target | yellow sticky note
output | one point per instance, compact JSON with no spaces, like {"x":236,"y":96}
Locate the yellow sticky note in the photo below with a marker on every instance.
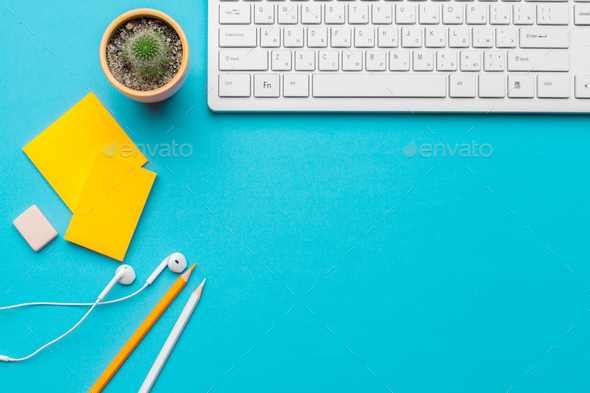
{"x":110,"y":205}
{"x":65,"y":151}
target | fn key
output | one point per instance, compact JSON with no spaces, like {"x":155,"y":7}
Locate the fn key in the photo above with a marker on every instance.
{"x":266,"y":85}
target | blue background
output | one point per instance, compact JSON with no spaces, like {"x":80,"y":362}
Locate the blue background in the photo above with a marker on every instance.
{"x":333,"y":261}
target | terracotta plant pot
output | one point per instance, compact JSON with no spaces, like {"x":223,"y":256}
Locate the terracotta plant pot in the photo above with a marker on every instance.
{"x":161,"y":93}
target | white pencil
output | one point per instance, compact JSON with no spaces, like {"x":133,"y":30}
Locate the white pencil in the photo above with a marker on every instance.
{"x":172,"y":338}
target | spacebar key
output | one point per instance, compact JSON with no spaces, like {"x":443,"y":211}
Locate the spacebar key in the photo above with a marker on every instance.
{"x":343,"y":85}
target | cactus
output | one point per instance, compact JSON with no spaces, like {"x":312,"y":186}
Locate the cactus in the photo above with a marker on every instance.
{"x":147,"y":53}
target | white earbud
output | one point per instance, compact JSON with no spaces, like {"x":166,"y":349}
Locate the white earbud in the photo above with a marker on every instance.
{"x":175,"y":262}
{"x":124,"y":274}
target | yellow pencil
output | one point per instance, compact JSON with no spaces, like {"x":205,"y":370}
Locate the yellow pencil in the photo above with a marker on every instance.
{"x":141,"y":332}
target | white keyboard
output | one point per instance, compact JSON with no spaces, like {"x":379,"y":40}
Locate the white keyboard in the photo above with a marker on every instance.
{"x":402,"y":56}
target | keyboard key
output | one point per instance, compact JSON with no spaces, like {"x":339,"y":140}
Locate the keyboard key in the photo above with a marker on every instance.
{"x":399,"y":60}
{"x":293,"y":37}
{"x":553,"y":86}
{"x":341,"y":37}
{"x":266,"y":85}
{"x":429,"y":14}
{"x":446,"y":60}
{"x":582,"y":14}
{"x":483,"y":37}
{"x":305,"y":60}
{"x":288,"y":14}
{"x":243,"y":60}
{"x":352,"y":60}
{"x":234,"y":13}
{"x":405,"y":14}
{"x":477,"y":14}
{"x":237,"y":37}
{"x":317,"y":37}
{"x":264,"y":14}
{"x":524,"y":14}
{"x":492,"y":86}
{"x":382,"y":14}
{"x":521,"y":86}
{"x":500,"y":14}
{"x":459,"y":37}
{"x":411,"y":37}
{"x":296,"y":85}
{"x":364,"y":37}
{"x":375,"y":60}
{"x":270,"y":37}
{"x":553,"y":14}
{"x":234,"y":85}
{"x":281,"y":60}
{"x":311,"y":14}
{"x":379,"y":85}
{"x":470,"y":60}
{"x":435,"y":37}
{"x":494,"y":61}
{"x":334,"y":14}
{"x":505,"y":37}
{"x":544,"y":38}
{"x":462,"y":86}
{"x":387,"y":37}
{"x":328,"y":60}
{"x":554,"y":60}
{"x":358,"y":14}
{"x":423,"y":60}
{"x":452,"y":14}
{"x":582,"y":86}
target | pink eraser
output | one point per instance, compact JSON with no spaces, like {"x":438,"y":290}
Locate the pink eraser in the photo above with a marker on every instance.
{"x":35,"y":228}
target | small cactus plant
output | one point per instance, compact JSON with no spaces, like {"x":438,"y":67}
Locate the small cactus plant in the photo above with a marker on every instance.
{"x":147,"y":53}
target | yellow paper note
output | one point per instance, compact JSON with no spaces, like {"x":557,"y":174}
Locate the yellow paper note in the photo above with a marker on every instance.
{"x":110,"y":205}
{"x":65,"y":151}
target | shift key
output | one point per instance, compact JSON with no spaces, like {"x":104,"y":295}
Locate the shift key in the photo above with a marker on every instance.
{"x":538,"y":60}
{"x":243,"y":60}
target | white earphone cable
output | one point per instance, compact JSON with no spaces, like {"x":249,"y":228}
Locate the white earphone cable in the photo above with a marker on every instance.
{"x":74,"y":304}
{"x":7,"y":359}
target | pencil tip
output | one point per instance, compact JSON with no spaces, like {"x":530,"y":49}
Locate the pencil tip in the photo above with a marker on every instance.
{"x":187,"y":274}
{"x":199,"y":289}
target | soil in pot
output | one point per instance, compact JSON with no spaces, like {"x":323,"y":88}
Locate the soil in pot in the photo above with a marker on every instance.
{"x":124,"y":72}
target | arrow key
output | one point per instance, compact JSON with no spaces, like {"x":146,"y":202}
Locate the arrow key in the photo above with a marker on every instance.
{"x":582,"y":86}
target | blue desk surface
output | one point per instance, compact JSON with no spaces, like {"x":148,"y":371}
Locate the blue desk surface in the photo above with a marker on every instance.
{"x":333,"y":261}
